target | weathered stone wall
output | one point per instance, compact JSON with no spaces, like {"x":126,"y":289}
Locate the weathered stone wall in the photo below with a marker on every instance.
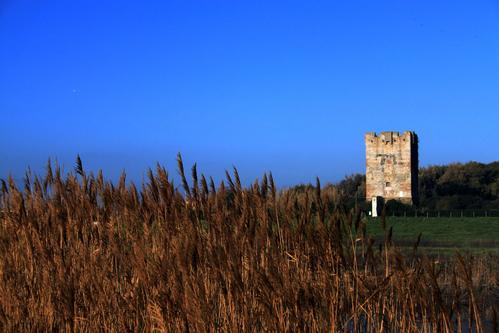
{"x":392,"y":166}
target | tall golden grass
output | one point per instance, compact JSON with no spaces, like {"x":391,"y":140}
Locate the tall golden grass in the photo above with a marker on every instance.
{"x":80,"y":254}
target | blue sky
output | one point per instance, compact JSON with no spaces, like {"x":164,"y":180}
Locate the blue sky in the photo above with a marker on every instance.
{"x":286,"y":86}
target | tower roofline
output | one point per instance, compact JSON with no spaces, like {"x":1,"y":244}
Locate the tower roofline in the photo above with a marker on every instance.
{"x":397,"y":133}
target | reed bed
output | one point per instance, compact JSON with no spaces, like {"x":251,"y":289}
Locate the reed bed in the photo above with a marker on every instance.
{"x":81,"y":254}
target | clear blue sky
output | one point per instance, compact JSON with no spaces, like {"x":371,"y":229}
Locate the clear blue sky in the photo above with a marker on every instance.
{"x":287,"y":86}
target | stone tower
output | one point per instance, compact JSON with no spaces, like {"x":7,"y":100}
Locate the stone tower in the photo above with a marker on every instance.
{"x":392,"y":166}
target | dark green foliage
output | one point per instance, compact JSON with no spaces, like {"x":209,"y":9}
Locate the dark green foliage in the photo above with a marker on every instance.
{"x":460,"y":186}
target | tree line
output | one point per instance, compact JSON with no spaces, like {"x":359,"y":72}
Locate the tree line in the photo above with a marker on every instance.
{"x":456,"y":186}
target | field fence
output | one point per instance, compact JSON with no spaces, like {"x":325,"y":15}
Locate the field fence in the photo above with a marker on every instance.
{"x":444,"y":213}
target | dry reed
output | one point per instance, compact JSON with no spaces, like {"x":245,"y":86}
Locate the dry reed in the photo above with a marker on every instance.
{"x":80,"y":254}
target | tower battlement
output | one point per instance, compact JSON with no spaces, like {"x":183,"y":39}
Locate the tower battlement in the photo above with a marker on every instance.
{"x":392,"y":166}
{"x":391,"y":137}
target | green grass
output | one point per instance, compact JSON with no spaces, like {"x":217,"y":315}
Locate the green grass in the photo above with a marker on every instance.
{"x":479,"y":234}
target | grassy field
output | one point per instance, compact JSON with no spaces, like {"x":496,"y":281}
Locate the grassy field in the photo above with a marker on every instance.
{"x":479,"y":234}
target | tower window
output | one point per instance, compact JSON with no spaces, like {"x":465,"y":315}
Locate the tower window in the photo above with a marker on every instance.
{"x":388,"y":184}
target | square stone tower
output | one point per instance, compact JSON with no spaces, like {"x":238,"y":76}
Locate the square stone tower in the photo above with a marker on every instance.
{"x":392,"y":166}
